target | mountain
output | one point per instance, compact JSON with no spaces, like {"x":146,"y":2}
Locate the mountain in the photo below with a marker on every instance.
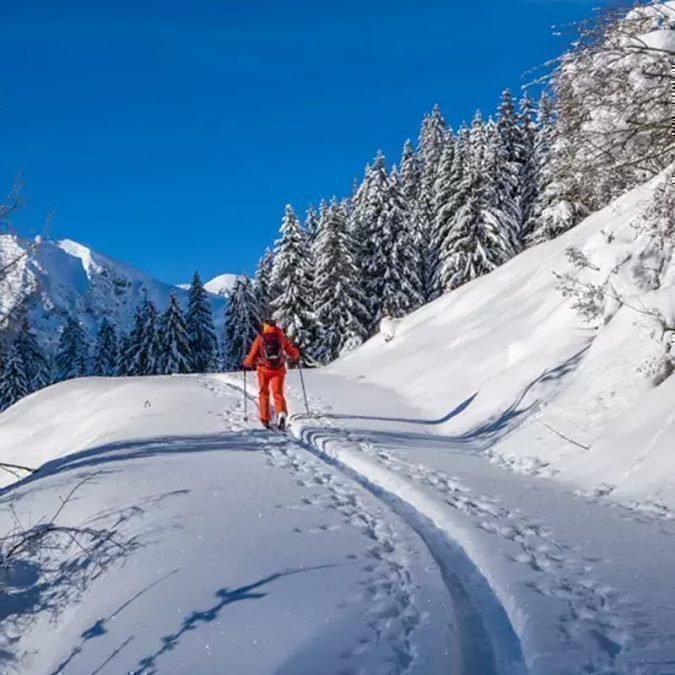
{"x":221,"y":285}
{"x":64,"y":278}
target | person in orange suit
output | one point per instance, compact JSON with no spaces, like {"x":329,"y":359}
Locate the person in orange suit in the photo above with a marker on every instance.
{"x":268,"y":354}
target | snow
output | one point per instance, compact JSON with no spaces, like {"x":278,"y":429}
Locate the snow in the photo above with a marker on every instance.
{"x":235,"y":550}
{"x":485,"y":487}
{"x":221,"y":285}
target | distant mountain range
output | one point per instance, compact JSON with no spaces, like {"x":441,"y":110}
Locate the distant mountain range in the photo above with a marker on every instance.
{"x":64,"y":278}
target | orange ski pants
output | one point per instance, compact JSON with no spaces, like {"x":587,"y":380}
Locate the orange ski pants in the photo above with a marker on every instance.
{"x":271,"y":379}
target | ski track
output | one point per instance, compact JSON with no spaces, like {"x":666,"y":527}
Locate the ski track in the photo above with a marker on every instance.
{"x":595,"y":615}
{"x":388,"y":587}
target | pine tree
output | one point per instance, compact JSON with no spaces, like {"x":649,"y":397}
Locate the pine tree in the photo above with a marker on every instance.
{"x":402,"y":288}
{"x":365,"y":226}
{"x":500,"y":201}
{"x":340,"y":305}
{"x":555,"y":208}
{"x":201,"y":330}
{"x":411,"y":185}
{"x":528,"y":177}
{"x":242,"y":322}
{"x":434,"y":135}
{"x":106,"y":350}
{"x":14,"y":382}
{"x":506,"y":163}
{"x":477,"y":241}
{"x":291,"y":279}
{"x":143,"y":348}
{"x":263,"y":282}
{"x":445,"y":192}
{"x":311,"y":223}
{"x":124,"y":353}
{"x":176,"y":351}
{"x":35,"y":364}
{"x":72,"y":354}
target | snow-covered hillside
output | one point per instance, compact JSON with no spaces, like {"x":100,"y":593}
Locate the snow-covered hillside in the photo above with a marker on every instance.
{"x":530,"y":369}
{"x":66,"y":278}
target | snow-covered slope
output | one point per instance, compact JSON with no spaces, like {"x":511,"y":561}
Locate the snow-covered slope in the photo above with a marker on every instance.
{"x":544,"y":390}
{"x":66,"y":278}
{"x":168,"y":537}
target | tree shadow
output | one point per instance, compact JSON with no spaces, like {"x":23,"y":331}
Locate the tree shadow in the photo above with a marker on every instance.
{"x":49,"y":567}
{"x":235,"y":441}
{"x":479,"y":438}
{"x":99,"y":628}
{"x":224,"y":597}
{"x":458,"y":410}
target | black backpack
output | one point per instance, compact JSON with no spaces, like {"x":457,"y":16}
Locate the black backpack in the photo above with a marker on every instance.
{"x":272,"y":349}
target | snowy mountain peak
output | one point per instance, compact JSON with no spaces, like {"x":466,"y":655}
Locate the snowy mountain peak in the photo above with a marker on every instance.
{"x":221,"y":285}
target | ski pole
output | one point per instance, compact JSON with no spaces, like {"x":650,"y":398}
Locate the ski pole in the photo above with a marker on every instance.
{"x":304,"y":390}
{"x":243,"y":372}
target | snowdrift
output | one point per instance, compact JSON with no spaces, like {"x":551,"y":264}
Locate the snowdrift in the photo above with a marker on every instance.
{"x":543,"y":389}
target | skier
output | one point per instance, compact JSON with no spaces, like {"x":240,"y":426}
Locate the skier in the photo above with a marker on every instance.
{"x":268,"y":353}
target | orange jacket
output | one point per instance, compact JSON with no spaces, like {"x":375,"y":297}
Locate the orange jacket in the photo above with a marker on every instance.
{"x":256,"y":357}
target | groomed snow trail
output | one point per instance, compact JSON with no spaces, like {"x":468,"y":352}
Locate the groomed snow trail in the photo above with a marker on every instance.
{"x":554,"y":562}
{"x":486,"y":640}
{"x":389,"y":587}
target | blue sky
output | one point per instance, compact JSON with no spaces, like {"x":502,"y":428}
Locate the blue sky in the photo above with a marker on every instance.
{"x":170,"y":134}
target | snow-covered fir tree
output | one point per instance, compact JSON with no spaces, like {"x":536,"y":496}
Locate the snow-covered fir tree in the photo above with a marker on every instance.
{"x":291,"y":278}
{"x":14,"y":383}
{"x":434,"y":136}
{"x":411,"y":184}
{"x":340,"y":305}
{"x":311,"y":223}
{"x":201,"y":329}
{"x":36,"y":365}
{"x":444,"y":193}
{"x":557,"y":205}
{"x":505,"y":162}
{"x":262,"y":281}
{"x":402,"y":289}
{"x":527,"y":119}
{"x":477,"y":242}
{"x":365,"y":226}
{"x":105,"y":350}
{"x":72,"y":353}
{"x":242,"y":323}
{"x":500,"y":201}
{"x":176,"y":350}
{"x":143,"y":346}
